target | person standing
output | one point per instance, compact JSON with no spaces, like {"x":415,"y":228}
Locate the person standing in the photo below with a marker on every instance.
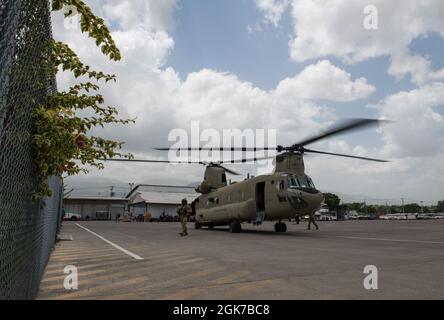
{"x":184,"y":212}
{"x":297,"y":219}
{"x":311,"y":220}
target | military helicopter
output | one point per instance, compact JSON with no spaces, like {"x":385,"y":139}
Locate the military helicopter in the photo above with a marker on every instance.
{"x":283,"y":194}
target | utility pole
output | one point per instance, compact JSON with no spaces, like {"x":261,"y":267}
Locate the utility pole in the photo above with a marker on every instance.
{"x":402,"y":199}
{"x":111,"y":191}
{"x":422,"y":206}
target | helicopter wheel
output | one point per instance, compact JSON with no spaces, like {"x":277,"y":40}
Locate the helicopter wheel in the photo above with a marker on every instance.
{"x":235,"y":227}
{"x":280,"y":227}
{"x":197,"y":225}
{"x":283,"y":227}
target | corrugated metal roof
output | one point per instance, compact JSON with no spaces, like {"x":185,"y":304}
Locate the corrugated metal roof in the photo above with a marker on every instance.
{"x":161,"y":188}
{"x":163,"y":197}
{"x":95,"y":198}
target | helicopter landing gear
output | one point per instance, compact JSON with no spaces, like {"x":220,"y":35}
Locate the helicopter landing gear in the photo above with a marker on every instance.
{"x":210,"y":226}
{"x":197,"y":225}
{"x":280,"y":227}
{"x":235,"y":227}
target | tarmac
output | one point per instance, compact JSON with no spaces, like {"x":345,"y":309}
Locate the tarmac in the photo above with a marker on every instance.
{"x":118,"y":260}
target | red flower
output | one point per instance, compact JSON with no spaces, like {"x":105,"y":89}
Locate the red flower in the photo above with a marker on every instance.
{"x":80,"y":142}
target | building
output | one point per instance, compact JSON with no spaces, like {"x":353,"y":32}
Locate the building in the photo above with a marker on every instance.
{"x":156,"y":200}
{"x":96,"y":208}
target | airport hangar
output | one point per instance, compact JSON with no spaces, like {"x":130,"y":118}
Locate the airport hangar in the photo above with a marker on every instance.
{"x":143,"y":199}
{"x":156,"y":200}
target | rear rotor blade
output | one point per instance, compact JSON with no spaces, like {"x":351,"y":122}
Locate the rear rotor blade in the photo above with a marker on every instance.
{"x":344,"y":155}
{"x":152,"y":161}
{"x":189,"y":162}
{"x":347,"y":126}
{"x":246,"y":160}
{"x":229,"y":170}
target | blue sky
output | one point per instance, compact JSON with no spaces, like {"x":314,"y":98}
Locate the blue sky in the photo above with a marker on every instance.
{"x":214,"y":34}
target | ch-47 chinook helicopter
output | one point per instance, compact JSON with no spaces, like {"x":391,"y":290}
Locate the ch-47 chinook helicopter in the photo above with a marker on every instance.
{"x":283,"y":194}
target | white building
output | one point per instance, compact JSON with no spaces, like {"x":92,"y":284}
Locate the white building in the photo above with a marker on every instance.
{"x":157,"y":199}
{"x":93,"y":207}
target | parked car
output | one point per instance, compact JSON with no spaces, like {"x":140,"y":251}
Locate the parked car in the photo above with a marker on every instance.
{"x":69,"y":216}
{"x":327,"y":217}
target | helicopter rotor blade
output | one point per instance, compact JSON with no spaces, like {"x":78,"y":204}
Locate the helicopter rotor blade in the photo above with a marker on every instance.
{"x":343,"y":127}
{"x":228,"y":170}
{"x":219,"y":163}
{"x":346,"y":126}
{"x":207,"y":163}
{"x":152,"y":161}
{"x":343,"y":155}
{"x":246,"y":160}
{"x":218,"y":149}
{"x":175,"y":162}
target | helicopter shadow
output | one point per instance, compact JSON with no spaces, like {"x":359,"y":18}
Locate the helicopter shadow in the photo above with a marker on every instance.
{"x":300,"y":234}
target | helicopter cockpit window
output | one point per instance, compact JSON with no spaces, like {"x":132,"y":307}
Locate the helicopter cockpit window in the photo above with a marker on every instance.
{"x":281,"y":185}
{"x":300,"y":182}
{"x":310,"y":182}
{"x":293,"y":182}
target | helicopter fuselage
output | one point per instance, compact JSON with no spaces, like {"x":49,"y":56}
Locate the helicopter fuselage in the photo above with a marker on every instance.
{"x":274,"y":197}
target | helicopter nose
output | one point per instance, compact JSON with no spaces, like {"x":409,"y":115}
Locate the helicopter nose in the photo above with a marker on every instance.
{"x":314,"y":200}
{"x":308,"y":201}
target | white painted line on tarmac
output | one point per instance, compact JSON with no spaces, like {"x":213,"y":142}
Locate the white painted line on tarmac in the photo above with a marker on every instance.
{"x":393,"y":240}
{"x":135,"y":256}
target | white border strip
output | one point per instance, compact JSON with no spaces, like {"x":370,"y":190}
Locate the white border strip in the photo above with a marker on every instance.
{"x":135,"y":256}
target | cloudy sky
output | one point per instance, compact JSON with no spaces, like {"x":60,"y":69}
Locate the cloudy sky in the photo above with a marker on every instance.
{"x":296,"y":66}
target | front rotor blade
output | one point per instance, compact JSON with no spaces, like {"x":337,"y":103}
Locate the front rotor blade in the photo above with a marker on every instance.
{"x":347,"y":126}
{"x":218,"y":149}
{"x":344,"y":155}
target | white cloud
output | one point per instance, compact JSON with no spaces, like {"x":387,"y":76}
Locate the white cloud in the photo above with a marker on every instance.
{"x":129,"y":14}
{"x":414,"y":143}
{"x":272,"y":9}
{"x":323,"y":28}
{"x":419,"y":127}
{"x":325,"y":81}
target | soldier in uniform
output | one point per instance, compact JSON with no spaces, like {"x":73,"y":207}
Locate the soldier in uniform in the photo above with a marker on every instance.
{"x":312,"y":220}
{"x":184,"y":212}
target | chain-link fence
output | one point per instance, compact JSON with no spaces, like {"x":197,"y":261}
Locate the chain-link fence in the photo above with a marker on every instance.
{"x":27,"y":228}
